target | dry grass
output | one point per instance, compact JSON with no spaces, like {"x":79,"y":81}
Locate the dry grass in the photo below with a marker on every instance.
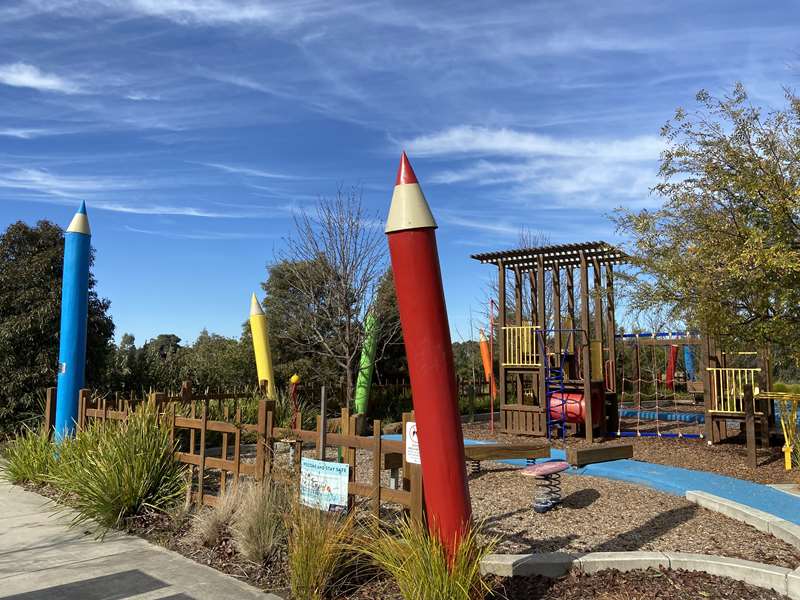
{"x":258,"y":526}
{"x":210,"y":526}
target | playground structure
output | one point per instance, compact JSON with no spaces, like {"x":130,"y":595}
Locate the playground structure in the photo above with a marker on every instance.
{"x":560,"y":359}
{"x":562,"y":348}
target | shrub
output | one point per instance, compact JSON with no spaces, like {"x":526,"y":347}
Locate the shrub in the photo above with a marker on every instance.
{"x":118,"y":470}
{"x":259,"y":530}
{"x":211,"y":525}
{"x":417,"y":562}
{"x":29,"y":457}
{"x":284,"y":411}
{"x":319,"y":545}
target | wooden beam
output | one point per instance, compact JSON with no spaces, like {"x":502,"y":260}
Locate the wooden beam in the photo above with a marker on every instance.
{"x":750,"y":426}
{"x":501,"y":334}
{"x":585,"y":356}
{"x":518,"y":320}
{"x":705,"y":361}
{"x":611,"y":327}
{"x":541,"y":341}
{"x":556,"y":311}
{"x":506,"y":451}
{"x":579,"y":457}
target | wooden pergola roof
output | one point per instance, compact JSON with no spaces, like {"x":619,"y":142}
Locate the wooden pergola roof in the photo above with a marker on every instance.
{"x":563,"y":255}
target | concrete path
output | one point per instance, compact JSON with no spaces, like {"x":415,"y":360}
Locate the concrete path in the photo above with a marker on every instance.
{"x":42,"y":558}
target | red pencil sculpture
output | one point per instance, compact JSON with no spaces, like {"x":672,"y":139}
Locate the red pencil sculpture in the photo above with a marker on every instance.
{"x":426,"y":332}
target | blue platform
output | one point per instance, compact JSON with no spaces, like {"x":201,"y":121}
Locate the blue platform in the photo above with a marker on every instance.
{"x":678,"y":481}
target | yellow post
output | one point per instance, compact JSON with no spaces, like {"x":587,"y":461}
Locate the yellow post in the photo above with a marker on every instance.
{"x":260,"y":330}
{"x":787,"y":458}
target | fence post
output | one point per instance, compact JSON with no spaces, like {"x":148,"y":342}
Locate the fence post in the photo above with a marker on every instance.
{"x":82,"y":409}
{"x":268,"y":438}
{"x":376,"y":467}
{"x":201,"y":470}
{"x":50,"y":410}
{"x":323,"y":424}
{"x":750,"y":425}
{"x":261,"y":440}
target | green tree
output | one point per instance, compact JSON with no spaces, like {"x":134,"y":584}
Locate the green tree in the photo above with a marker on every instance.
{"x":31,"y":263}
{"x":722,"y":250}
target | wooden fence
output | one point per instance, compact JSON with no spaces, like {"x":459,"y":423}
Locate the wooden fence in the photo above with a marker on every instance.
{"x":224,"y":437}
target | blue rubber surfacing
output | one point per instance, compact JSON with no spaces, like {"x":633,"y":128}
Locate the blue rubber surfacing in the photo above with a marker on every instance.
{"x":677,"y":481}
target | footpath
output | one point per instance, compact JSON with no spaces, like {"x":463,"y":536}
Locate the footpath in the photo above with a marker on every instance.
{"x":42,"y":558}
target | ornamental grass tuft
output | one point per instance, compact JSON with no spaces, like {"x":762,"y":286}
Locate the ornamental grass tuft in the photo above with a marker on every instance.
{"x":113,"y":471}
{"x":417,"y":562}
{"x":319,"y":547}
{"x":259,"y":528}
{"x":29,"y":458}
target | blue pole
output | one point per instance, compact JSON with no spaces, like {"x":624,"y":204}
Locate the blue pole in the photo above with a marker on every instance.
{"x":74,"y":318}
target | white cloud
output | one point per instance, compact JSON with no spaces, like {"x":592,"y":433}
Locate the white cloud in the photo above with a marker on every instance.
{"x":30,"y":76}
{"x":467,"y":139}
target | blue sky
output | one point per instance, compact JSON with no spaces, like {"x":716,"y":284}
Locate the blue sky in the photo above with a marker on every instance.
{"x":196,"y":129}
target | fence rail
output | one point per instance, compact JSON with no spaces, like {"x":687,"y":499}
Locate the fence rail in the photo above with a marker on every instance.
{"x":727,"y":388}
{"x":222,"y":439}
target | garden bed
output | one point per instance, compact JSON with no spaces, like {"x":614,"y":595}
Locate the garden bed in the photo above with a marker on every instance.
{"x":633,"y":585}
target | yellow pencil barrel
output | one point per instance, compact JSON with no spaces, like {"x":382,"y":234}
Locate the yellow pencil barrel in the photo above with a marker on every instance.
{"x":260,"y":332}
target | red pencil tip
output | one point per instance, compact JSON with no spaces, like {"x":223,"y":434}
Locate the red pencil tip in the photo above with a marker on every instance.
{"x":405,"y":174}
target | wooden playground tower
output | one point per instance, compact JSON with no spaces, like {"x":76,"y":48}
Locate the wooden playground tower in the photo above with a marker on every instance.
{"x":560,"y":359}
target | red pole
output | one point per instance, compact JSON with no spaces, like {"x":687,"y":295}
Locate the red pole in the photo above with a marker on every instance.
{"x":426,"y":332}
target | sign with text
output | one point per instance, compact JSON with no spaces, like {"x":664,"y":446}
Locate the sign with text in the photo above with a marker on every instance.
{"x":412,"y":443}
{"x":323,"y":484}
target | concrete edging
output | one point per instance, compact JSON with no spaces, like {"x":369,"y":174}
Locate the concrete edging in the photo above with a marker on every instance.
{"x":763,"y":521}
{"x":555,"y":564}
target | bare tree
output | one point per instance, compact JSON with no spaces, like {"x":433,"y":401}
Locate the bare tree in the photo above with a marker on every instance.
{"x":335,"y":261}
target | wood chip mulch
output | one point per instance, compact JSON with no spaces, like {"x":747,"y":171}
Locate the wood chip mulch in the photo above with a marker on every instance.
{"x":728,"y":458}
{"x":634,"y":585}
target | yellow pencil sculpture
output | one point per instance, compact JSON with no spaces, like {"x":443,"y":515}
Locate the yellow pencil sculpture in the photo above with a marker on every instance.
{"x":260,"y":331}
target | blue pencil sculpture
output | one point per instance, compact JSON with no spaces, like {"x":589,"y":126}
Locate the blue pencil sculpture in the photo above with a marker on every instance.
{"x":74,"y":318}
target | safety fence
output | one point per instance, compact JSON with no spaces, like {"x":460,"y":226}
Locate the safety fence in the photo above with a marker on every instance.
{"x":727,"y":388}
{"x":521,"y":346}
{"x":223,"y":438}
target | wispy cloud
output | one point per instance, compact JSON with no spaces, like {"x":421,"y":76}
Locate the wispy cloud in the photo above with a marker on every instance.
{"x":199,"y":235}
{"x":31,"y":133}
{"x":30,"y":76}
{"x":467,"y":139}
{"x":251,"y":172}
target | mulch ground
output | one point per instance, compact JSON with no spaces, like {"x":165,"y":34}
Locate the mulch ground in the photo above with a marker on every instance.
{"x":599,"y":515}
{"x":728,"y":458}
{"x":635,"y":585}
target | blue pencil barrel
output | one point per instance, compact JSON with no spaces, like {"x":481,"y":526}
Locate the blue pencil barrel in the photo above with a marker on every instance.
{"x":74,"y":319}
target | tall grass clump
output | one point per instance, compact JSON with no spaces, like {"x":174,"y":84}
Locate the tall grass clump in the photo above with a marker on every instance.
{"x":259,"y":527}
{"x":118,"y":470}
{"x":417,"y":562}
{"x":211,"y":525}
{"x":29,"y":457}
{"x":319,"y":545}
